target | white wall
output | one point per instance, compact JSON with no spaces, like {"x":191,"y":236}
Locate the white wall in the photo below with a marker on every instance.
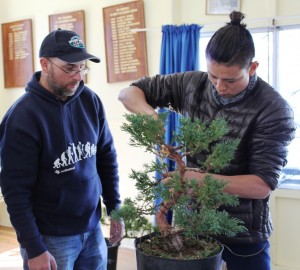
{"x":285,"y":240}
{"x":157,"y":13}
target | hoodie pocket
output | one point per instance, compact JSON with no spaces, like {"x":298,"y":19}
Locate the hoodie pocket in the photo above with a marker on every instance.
{"x":79,"y":198}
{"x":73,"y":198}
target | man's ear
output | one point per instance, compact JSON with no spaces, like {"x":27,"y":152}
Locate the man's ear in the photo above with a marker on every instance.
{"x":44,"y":64}
{"x":254,"y":65}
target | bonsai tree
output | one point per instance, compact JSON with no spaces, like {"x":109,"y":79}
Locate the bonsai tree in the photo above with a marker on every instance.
{"x":196,"y":207}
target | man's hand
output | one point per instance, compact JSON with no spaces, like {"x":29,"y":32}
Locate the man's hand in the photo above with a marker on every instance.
{"x":191,"y":174}
{"x":188,"y":175}
{"x":116,"y":231}
{"x":45,"y":261}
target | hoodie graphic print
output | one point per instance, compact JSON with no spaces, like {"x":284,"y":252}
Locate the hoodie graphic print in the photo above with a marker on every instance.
{"x":73,"y":154}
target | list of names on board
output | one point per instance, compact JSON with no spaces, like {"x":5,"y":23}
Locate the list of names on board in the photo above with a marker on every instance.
{"x":17,"y":53}
{"x":125,"y":49}
{"x":73,"y":21}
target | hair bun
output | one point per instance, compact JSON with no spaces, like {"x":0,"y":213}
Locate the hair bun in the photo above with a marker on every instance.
{"x":236,"y":18}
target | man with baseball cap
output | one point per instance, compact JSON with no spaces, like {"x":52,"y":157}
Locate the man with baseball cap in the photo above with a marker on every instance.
{"x":58,"y":159}
{"x":67,"y":46}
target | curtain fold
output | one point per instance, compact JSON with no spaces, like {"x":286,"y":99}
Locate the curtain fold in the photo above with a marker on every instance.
{"x":179,"y":53}
{"x":179,"y":48}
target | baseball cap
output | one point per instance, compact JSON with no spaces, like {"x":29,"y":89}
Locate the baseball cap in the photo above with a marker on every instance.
{"x":65,"y":45}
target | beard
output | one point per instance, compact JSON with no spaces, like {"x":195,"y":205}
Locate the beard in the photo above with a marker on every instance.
{"x":59,"y":89}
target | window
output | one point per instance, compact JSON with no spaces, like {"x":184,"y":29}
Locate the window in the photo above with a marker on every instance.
{"x":288,"y":84}
{"x":278,"y":55}
{"x":263,"y":39}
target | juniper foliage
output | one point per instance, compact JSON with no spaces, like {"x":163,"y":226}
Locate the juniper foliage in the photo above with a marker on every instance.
{"x":196,"y":208}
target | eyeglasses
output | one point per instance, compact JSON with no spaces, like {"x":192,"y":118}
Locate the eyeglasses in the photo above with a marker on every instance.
{"x":71,"y":73}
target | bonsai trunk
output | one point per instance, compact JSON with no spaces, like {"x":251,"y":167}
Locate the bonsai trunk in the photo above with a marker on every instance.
{"x":166,"y":229}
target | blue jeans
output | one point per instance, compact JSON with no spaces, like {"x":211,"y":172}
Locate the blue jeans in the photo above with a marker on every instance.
{"x":87,"y":251}
{"x":259,"y":261}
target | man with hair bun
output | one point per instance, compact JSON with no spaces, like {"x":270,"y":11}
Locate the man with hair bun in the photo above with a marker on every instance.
{"x":256,"y":114}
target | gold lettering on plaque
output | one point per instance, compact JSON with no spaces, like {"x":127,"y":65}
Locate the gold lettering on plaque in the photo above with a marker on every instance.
{"x":17,"y":45}
{"x":125,"y":49}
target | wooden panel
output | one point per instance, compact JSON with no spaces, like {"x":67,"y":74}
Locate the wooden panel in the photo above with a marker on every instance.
{"x":125,"y":50}
{"x":73,"y":21}
{"x":17,"y":53}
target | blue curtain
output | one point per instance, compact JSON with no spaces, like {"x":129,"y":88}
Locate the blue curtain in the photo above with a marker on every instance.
{"x":179,"y":53}
{"x":180,"y":48}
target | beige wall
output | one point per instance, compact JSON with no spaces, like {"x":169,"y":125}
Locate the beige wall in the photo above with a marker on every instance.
{"x":157,"y":13}
{"x":285,"y":240}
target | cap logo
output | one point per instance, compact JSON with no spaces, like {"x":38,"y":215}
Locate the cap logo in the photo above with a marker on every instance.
{"x":76,"y":42}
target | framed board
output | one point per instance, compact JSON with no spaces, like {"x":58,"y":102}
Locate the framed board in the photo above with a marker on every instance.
{"x":74,"y":21}
{"x":219,"y":7}
{"x":126,"y":53}
{"x":17,"y":53}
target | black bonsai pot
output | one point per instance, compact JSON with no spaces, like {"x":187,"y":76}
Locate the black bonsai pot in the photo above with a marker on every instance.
{"x":146,"y":262}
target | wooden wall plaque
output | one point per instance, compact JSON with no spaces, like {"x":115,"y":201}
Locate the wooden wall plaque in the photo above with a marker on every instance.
{"x":17,"y":53}
{"x":73,"y":21}
{"x":126,"y":54}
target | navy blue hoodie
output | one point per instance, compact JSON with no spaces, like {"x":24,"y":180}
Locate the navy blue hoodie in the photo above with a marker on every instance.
{"x":57,"y":159}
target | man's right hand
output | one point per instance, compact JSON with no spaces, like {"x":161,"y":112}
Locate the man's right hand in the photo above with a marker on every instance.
{"x":45,"y":261}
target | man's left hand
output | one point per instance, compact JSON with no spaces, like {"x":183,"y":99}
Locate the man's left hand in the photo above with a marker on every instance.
{"x":116,"y":231}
